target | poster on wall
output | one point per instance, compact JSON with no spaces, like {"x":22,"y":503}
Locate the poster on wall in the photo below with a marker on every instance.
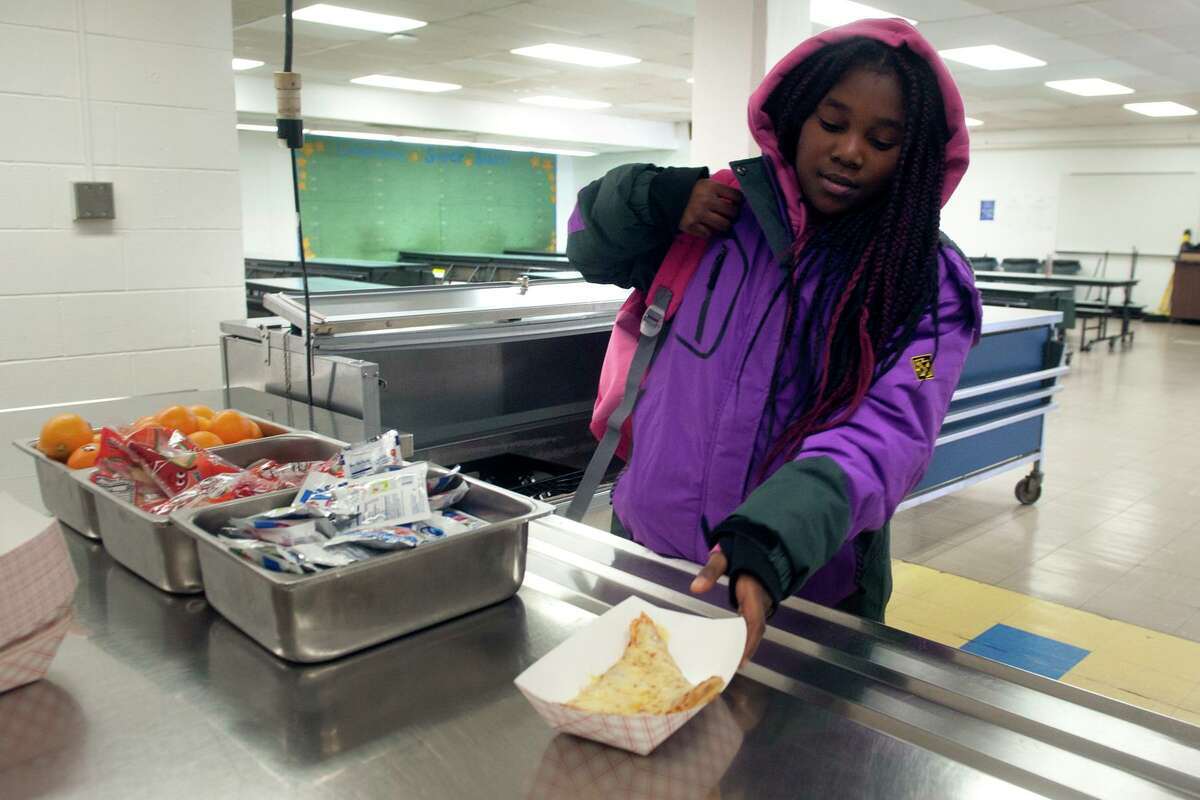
{"x":370,"y":200}
{"x":987,"y":210}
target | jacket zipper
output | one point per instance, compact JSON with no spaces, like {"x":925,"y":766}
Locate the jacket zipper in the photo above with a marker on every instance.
{"x":713,"y":276}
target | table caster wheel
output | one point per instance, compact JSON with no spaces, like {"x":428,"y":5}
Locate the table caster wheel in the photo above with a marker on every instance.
{"x":1029,"y":490}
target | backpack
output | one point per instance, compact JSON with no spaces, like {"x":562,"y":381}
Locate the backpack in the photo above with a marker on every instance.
{"x":636,"y":333}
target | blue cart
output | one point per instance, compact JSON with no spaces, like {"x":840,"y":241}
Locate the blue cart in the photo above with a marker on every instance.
{"x":997,"y":418}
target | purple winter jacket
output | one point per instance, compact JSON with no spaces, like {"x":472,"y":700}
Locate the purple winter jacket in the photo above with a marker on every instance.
{"x":697,"y":445}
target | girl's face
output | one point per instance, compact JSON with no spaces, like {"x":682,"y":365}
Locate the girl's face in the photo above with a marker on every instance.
{"x":848,"y":148}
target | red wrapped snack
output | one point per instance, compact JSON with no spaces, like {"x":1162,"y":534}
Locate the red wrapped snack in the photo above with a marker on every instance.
{"x":294,"y":473}
{"x":173,"y":461}
{"x":118,"y":472}
{"x":218,"y":489}
{"x":161,"y":470}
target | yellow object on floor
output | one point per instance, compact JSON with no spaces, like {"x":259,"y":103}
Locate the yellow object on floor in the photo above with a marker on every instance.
{"x":1153,"y":670}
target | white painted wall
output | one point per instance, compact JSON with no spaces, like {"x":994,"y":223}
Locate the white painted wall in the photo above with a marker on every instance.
{"x":1023,"y":173}
{"x":352,"y":103}
{"x":139,"y":94}
{"x":268,"y":208}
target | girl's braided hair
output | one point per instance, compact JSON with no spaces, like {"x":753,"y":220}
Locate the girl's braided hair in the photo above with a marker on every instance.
{"x":875,"y":266}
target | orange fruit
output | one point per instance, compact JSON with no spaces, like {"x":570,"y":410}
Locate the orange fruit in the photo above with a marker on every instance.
{"x":84,"y":457}
{"x":203,"y":424}
{"x":63,"y":435}
{"x":255,"y":431}
{"x":202,"y":411}
{"x":231,"y":427}
{"x":178,"y":418}
{"x":205,"y":439}
{"x":141,"y":425}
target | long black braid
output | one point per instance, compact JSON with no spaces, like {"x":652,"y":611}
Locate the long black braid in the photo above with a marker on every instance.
{"x":875,"y":266}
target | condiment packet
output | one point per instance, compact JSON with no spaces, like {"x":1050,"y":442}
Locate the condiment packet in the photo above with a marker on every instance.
{"x":318,"y":555}
{"x":447,"y":497}
{"x":268,"y":556}
{"x":376,"y":540}
{"x":377,"y":500}
{"x":371,"y":456}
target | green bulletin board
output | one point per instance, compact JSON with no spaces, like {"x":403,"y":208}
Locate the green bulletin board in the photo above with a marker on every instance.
{"x":367,"y":200}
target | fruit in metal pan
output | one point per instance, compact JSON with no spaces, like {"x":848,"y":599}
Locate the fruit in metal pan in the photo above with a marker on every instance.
{"x":62,"y":435}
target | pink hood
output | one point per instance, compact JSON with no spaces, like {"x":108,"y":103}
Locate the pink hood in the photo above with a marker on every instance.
{"x":892,"y":32}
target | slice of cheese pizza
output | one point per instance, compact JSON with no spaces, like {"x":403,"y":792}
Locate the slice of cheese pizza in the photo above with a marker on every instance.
{"x":646,"y":680}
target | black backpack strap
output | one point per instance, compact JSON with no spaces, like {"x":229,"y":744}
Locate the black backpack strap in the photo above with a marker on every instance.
{"x":758,"y":187}
{"x":946,"y":241}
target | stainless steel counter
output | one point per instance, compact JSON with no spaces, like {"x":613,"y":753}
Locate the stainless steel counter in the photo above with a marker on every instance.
{"x":158,"y":696}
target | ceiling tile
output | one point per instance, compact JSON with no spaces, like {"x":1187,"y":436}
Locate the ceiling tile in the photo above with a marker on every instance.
{"x":1139,"y":14}
{"x":1069,"y":21}
{"x":1127,"y":44}
{"x":1180,"y":37}
{"x":1150,"y":45}
{"x":931,"y":10}
{"x":1002,"y":6}
{"x":990,"y":29}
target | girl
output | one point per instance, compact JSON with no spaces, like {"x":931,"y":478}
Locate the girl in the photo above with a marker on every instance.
{"x":795,"y":398}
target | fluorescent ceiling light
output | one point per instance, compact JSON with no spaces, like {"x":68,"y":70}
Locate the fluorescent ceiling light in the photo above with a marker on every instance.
{"x":1089,"y":87}
{"x":575,"y":55}
{"x":841,"y":12}
{"x":243,"y":126}
{"x":991,"y":56}
{"x":407,"y":84}
{"x":342,"y":17}
{"x":246,"y":63}
{"x":551,"y":101}
{"x":516,"y":148}
{"x":1163,"y":109}
{"x":972,"y":122}
{"x":370,"y":137}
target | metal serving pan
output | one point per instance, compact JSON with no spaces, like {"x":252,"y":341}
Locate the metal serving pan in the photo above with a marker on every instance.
{"x":311,"y":618}
{"x":61,"y":495}
{"x":152,"y":546}
{"x":66,"y":499}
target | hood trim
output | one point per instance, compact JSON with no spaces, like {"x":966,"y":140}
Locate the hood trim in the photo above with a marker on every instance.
{"x":891,"y":32}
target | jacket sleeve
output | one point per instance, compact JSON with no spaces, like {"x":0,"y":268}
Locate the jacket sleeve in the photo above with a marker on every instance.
{"x":850,"y":478}
{"x":624,"y":223}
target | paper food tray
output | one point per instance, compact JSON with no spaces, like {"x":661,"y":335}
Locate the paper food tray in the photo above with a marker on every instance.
{"x":37,"y":580}
{"x":701,"y":647}
{"x":28,"y":659}
{"x":687,"y":767}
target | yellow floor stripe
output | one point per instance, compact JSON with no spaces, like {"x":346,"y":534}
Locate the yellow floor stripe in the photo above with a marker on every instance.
{"x":1155,"y":671}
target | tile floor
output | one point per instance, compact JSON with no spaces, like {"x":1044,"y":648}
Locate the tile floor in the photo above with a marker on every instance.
{"x":1117,"y":531}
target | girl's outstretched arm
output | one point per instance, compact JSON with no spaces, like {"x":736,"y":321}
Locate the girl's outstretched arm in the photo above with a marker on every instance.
{"x":850,"y":478}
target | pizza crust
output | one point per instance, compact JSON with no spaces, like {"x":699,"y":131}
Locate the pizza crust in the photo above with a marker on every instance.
{"x":699,"y":695}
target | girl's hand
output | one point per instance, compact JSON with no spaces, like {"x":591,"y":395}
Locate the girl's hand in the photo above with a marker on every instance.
{"x":712,"y":208}
{"x":752,"y":599}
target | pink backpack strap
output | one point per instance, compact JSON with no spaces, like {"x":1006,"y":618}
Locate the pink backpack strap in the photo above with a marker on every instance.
{"x":683,"y":258}
{"x":665,"y":296}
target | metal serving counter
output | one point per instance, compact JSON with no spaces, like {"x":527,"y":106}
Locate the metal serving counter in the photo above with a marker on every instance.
{"x":157,"y":696}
